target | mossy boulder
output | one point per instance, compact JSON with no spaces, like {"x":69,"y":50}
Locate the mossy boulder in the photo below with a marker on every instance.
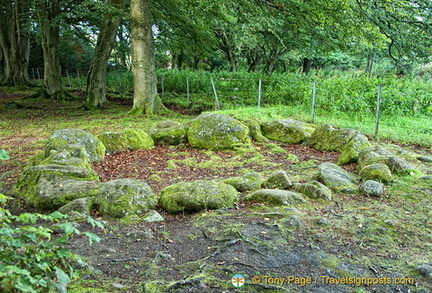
{"x":372,"y":188}
{"x":279,"y":180}
{"x":288,"y":131}
{"x":48,"y":187}
{"x":336,"y":178}
{"x":347,"y":142}
{"x":378,"y":172}
{"x":74,"y":155}
{"x":169,"y":133}
{"x":190,"y":197}
{"x":247,"y":182}
{"x":79,"y":208}
{"x":379,"y":155}
{"x":314,"y":189}
{"x":274,"y":196}
{"x":216,"y":132}
{"x":255,"y":131}
{"x":67,"y":139}
{"x":125,"y":197}
{"x":131,"y":139}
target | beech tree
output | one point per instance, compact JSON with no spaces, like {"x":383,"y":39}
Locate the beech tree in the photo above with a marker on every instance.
{"x":143,"y":63}
{"x":96,"y":84}
{"x":15,"y":41}
{"x":48,"y":12}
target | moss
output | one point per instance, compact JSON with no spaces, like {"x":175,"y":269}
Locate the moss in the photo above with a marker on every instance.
{"x":274,"y":196}
{"x":288,"y":131}
{"x":314,"y":189}
{"x":61,"y":139}
{"x":132,"y":139}
{"x":75,"y":155}
{"x":217,"y":132}
{"x":378,"y":172}
{"x":195,"y":196}
{"x":49,"y":187}
{"x":247,"y":182}
{"x":123,"y":197}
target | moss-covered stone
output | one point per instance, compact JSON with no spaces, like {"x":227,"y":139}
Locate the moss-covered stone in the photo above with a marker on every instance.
{"x":132,"y":139}
{"x":247,"y":182}
{"x":48,"y":187}
{"x":215,"y":131}
{"x":63,"y":140}
{"x":379,"y":155}
{"x":124,"y":197}
{"x":279,"y":180}
{"x":79,"y":208}
{"x":255,"y":131}
{"x":336,"y":178}
{"x":169,"y":133}
{"x":74,"y":155}
{"x":189,"y":197}
{"x":372,"y":188}
{"x":314,"y":189}
{"x":347,"y":142}
{"x":378,"y":172}
{"x":274,"y":196}
{"x":288,"y":131}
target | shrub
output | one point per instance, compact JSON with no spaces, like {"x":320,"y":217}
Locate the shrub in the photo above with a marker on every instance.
{"x":32,"y":258}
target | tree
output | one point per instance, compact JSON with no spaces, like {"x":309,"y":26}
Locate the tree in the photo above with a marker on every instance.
{"x":96,"y":84}
{"x":15,"y":41}
{"x":407,"y":25}
{"x":143,"y":64}
{"x":48,"y":12}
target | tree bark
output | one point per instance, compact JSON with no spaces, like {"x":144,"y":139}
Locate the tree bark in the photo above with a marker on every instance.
{"x":15,"y":42}
{"x":96,"y":79}
{"x":48,"y":13}
{"x":143,"y":63}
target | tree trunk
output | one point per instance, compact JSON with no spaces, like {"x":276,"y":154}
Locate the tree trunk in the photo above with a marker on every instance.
{"x":15,"y":42}
{"x":143,"y":64}
{"x":96,"y":83}
{"x":307,"y":65}
{"x":48,"y":12}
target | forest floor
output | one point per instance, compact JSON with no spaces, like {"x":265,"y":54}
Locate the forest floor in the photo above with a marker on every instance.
{"x":353,"y":243}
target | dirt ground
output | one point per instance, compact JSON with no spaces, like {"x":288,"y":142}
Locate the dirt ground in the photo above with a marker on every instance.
{"x":351,"y":244}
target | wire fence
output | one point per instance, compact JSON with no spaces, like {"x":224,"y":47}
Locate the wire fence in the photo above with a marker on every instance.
{"x":216,"y":92}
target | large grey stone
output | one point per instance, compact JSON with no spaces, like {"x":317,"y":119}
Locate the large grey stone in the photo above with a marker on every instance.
{"x":372,"y":188}
{"x":279,"y":180}
{"x":74,"y":155}
{"x":347,"y":142}
{"x":49,"y":187}
{"x":130,"y":139}
{"x":189,"y":197}
{"x":62,"y":139}
{"x":169,"y":133}
{"x":247,"y":182}
{"x":274,"y":196}
{"x":124,"y":197}
{"x":215,"y":131}
{"x":379,"y":155}
{"x":314,"y":189}
{"x":288,"y":131}
{"x":378,"y":172}
{"x":336,"y":178}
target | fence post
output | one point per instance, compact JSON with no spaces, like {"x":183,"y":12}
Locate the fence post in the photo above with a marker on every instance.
{"x":215,"y":93}
{"x":79,"y":79}
{"x":259,"y":92}
{"x":187,"y":90}
{"x":163,"y":87}
{"x":313,"y":101}
{"x":377,"y":116}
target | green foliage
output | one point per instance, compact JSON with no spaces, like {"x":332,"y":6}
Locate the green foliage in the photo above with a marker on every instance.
{"x":4,"y":155}
{"x":32,"y":256}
